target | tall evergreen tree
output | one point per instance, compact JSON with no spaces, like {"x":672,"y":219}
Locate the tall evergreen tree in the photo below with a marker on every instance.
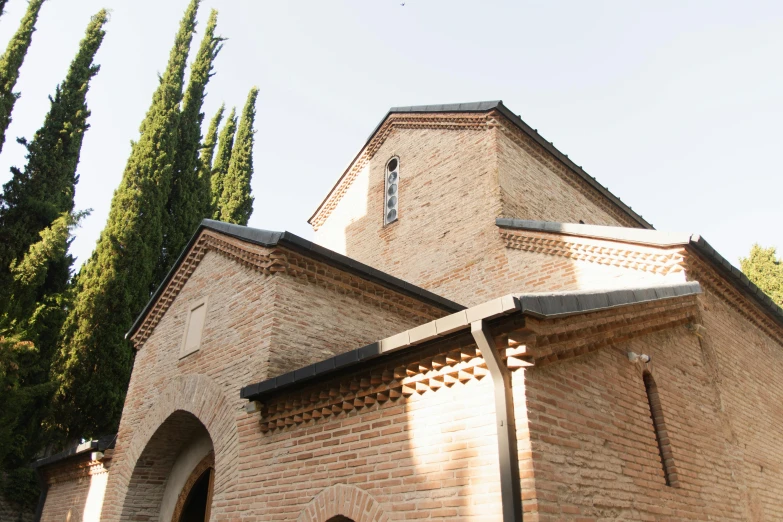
{"x":94,"y":360}
{"x":25,"y":391}
{"x":207,"y":153}
{"x":765,"y":270}
{"x":190,"y":194}
{"x":236,"y":202}
{"x":37,"y":195}
{"x":2,"y":6}
{"x":11,"y":62}
{"x":220,"y":168}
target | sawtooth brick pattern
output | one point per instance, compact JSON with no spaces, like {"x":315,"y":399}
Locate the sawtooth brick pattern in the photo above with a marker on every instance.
{"x":428,"y":451}
{"x":454,"y":182}
{"x":260,"y":323}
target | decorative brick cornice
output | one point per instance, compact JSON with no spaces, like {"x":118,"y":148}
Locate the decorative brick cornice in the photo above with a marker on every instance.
{"x":260,"y":260}
{"x":566,"y":174}
{"x":268,"y":262}
{"x":546,"y":341}
{"x":70,"y":470}
{"x":560,"y":339}
{"x":464,"y":121}
{"x":377,"y":385}
{"x":453,"y":121}
{"x":712,"y":281}
{"x":658,"y":260}
{"x":654,"y":260}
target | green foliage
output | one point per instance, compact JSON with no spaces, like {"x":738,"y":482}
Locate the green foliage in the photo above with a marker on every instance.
{"x":25,"y":354}
{"x":35,"y":196}
{"x":189,"y":201}
{"x":11,"y":62}
{"x":765,"y":270}
{"x":93,"y":363}
{"x":207,"y":152}
{"x":222,"y":160}
{"x":21,"y":486}
{"x":236,"y":202}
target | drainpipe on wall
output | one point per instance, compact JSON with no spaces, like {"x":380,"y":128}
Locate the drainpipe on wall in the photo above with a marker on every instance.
{"x":506,"y":426}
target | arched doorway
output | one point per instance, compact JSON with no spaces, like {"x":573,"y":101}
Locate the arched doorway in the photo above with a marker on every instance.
{"x":174,"y":475}
{"x":339,"y":518}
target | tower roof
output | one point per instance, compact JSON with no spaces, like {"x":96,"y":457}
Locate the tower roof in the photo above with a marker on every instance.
{"x":516,"y":120}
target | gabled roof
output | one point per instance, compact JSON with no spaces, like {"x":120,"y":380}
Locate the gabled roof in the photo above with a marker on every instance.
{"x":497,"y":105}
{"x":657,"y":238}
{"x":544,"y":305}
{"x":269,"y":238}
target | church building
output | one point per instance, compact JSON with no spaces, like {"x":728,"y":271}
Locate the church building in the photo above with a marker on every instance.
{"x":480,"y":331}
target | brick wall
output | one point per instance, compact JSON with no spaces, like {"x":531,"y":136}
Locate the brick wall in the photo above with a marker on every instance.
{"x":455,"y":179}
{"x":419,"y":446}
{"x":76,"y":489}
{"x":534,"y":185}
{"x":260,"y":322}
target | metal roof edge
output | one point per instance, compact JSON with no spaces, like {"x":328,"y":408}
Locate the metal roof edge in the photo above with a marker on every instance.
{"x":269,"y":238}
{"x":563,"y":158}
{"x":544,"y":305}
{"x":656,"y":238}
{"x":632,"y":235}
{"x":486,"y":106}
{"x":101,"y":444}
{"x":740,"y":280}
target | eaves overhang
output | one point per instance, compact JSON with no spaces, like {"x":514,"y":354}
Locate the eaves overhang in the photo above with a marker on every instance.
{"x":102,"y":444}
{"x":269,"y":238}
{"x":487,"y":106}
{"x":659,"y":239}
{"x":540,"y":305}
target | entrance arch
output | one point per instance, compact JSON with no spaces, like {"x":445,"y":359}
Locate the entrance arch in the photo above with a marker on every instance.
{"x":343,"y":503}
{"x":177,"y":459}
{"x":195,"y":394}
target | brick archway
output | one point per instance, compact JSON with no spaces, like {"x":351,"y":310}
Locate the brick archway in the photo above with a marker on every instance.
{"x":199,"y":396}
{"x":343,"y":500}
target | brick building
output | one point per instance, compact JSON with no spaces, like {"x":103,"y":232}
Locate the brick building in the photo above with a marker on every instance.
{"x":481,"y":331}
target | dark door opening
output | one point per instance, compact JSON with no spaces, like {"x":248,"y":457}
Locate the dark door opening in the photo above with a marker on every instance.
{"x":339,"y":518}
{"x":197,"y":504}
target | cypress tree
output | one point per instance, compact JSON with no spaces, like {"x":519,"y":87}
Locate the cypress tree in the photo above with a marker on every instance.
{"x":37,"y":195}
{"x":236,"y":202}
{"x":94,"y":360}
{"x":11,"y":62}
{"x":2,"y":6}
{"x":207,"y":152}
{"x":25,"y":391}
{"x":220,"y":168}
{"x":190,"y":194}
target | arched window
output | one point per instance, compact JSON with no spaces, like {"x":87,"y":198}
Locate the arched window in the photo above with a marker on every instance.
{"x":391,"y":188}
{"x":661,"y":435}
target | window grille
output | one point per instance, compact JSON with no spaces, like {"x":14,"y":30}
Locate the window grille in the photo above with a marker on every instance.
{"x":391,"y":191}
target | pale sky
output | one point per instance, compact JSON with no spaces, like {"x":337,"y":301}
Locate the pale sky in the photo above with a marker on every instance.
{"x":676,"y":106}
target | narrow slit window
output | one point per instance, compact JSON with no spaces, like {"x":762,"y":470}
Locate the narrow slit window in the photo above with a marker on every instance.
{"x":661,"y":434}
{"x":391,"y":191}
